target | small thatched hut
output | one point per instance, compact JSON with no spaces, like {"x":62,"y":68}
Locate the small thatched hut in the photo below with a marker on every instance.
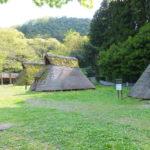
{"x":60,"y":73}
{"x":26,"y":76}
{"x":141,"y":89}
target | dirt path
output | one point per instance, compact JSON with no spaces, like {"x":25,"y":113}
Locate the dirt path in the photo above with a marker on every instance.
{"x":5,"y":126}
{"x":63,"y":105}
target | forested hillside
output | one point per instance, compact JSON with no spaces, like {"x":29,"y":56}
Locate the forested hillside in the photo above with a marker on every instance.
{"x":54,"y":27}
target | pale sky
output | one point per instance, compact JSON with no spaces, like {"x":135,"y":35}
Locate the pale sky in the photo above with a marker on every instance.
{"x":17,"y":12}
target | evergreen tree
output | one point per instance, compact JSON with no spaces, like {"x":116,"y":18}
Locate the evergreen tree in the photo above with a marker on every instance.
{"x":113,"y":23}
{"x":116,"y":20}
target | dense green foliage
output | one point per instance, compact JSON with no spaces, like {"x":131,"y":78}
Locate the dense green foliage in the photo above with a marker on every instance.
{"x":117,"y":20}
{"x":114,"y":23}
{"x":54,"y":27}
{"x":87,"y":56}
{"x":14,"y":49}
{"x":127,"y":59}
{"x":42,"y":46}
{"x":59,"y":3}
{"x":81,"y":120}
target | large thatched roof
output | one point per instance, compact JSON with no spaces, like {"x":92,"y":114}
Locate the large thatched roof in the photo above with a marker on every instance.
{"x":141,"y":89}
{"x":60,"y":73}
{"x":55,"y":78}
{"x":56,"y":60}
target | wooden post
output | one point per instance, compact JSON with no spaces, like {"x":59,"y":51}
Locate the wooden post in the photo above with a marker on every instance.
{"x":26,"y":86}
{"x":2,"y":79}
{"x":119,"y":88}
{"x":10,"y":79}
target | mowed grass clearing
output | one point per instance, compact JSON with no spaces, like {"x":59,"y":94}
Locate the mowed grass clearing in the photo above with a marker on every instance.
{"x":73,"y":120}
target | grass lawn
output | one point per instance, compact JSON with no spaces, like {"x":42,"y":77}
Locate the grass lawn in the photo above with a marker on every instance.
{"x":86,"y":120}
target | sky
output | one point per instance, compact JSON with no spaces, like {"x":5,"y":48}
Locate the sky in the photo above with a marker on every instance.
{"x":17,"y":12}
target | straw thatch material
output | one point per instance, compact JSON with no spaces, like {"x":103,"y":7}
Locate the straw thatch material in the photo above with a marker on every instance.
{"x":54,"y":78}
{"x":29,"y":63}
{"x":141,"y":89}
{"x":51,"y":59}
{"x":60,"y":73}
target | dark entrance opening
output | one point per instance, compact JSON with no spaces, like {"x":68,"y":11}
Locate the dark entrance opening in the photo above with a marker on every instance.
{"x":6,"y":81}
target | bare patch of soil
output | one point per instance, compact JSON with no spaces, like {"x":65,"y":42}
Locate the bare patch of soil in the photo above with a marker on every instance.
{"x":127,"y":120}
{"x":61,"y":105}
{"x":5,"y":126}
{"x":142,"y":124}
{"x":147,"y":105}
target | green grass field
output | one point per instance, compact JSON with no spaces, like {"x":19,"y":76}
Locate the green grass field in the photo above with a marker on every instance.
{"x":75,"y":120}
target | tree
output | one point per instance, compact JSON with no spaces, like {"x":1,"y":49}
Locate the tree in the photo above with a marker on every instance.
{"x":42,"y":46}
{"x":72,"y":45}
{"x":99,"y":25}
{"x":14,"y":50}
{"x":58,"y":3}
{"x":74,"y":41}
{"x":116,"y":20}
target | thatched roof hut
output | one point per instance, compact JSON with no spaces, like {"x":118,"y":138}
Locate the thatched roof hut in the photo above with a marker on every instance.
{"x":60,"y":73}
{"x":141,"y":89}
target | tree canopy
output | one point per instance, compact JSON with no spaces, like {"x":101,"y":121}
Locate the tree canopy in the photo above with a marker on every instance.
{"x":116,"y":20}
{"x":14,"y":50}
{"x":58,"y":3}
{"x":42,"y":46}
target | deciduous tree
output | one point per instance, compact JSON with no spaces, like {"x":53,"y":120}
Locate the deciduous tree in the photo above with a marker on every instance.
{"x":58,"y":3}
{"x":14,"y":49}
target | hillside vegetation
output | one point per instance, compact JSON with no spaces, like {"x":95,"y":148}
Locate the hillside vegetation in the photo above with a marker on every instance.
{"x":54,"y":27}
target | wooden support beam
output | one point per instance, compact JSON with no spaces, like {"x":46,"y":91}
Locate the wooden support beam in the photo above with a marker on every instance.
{"x":10,"y":79}
{"x":1,"y":79}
